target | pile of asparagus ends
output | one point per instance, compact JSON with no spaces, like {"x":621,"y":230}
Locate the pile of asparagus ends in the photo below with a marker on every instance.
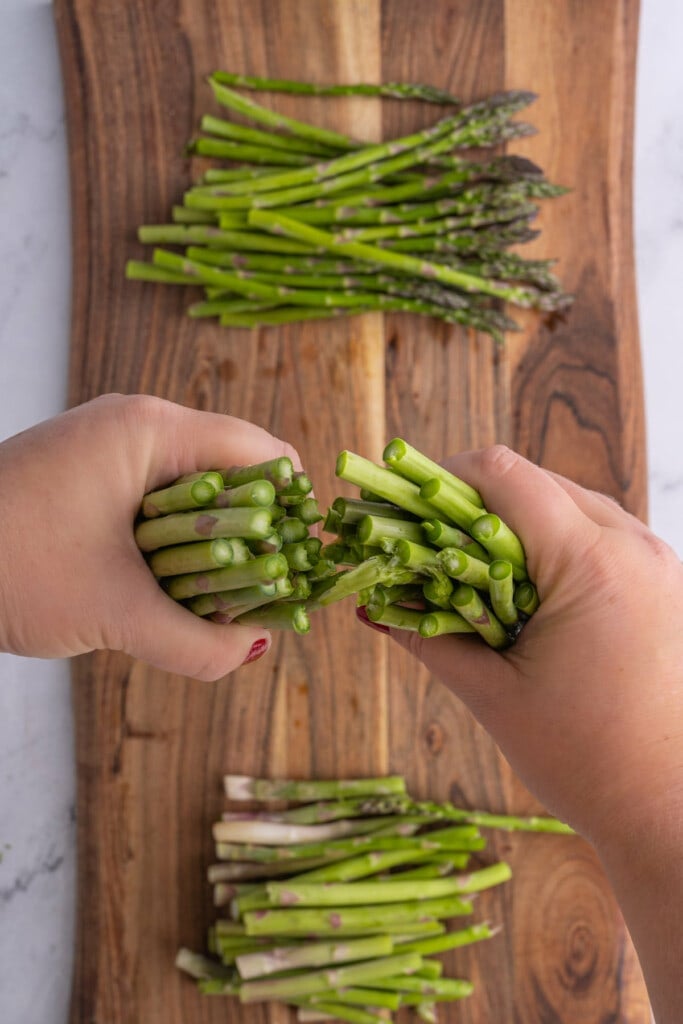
{"x":337,"y":906}
{"x":235,"y":544}
{"x":426,"y":554}
{"x":310,"y":223}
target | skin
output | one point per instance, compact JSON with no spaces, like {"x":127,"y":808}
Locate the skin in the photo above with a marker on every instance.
{"x":588,"y":704}
{"x":71,"y":577}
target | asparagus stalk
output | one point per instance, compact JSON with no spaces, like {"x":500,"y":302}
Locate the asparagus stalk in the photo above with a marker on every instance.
{"x":227,"y":150}
{"x":453,"y":940}
{"x":500,"y":542}
{"x":501,"y":590}
{"x":246,"y":787}
{"x":328,"y":978}
{"x":255,"y":494}
{"x":442,"y":622}
{"x":449,"y":501}
{"x":352,"y":920}
{"x":256,"y":137}
{"x":343,"y":894}
{"x":328,"y":1009}
{"x":277,"y":834}
{"x":178,"y":498}
{"x":278,"y":471}
{"x":263,"y":569}
{"x":196,"y":557}
{"x":184,"y":527}
{"x":393,"y":488}
{"x":526,"y":598}
{"x":262,"y":115}
{"x":416,"y":467}
{"x":396,"y":617}
{"x":461,"y":566}
{"x":443,"y":536}
{"x":317,"y":954}
{"x":470,"y":283}
{"x":445,"y":988}
{"x":277,"y":616}
{"x":467,"y":603}
{"x":393,"y":90}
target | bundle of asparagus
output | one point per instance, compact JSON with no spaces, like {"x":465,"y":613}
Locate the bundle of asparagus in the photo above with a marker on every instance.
{"x":426,"y":554}
{"x":311,"y":223}
{"x":307,"y":928}
{"x":235,"y":544}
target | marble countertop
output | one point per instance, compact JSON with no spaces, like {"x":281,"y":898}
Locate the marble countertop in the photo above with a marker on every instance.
{"x":37,"y":817}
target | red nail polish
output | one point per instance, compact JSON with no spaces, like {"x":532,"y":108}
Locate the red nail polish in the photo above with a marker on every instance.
{"x":257,"y":650}
{"x":362,"y":616}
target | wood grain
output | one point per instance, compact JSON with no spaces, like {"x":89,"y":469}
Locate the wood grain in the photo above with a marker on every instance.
{"x":151,"y":747}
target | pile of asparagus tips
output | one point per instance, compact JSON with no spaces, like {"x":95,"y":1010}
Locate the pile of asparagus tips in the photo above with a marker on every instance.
{"x":235,"y":544}
{"x":425,"y":553}
{"x":337,"y":906}
{"x":305,"y":222}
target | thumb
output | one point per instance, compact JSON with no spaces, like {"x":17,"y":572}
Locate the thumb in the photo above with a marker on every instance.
{"x":158,"y":630}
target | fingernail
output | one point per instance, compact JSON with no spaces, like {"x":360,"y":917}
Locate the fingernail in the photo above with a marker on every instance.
{"x":362,"y":616}
{"x":257,"y":650}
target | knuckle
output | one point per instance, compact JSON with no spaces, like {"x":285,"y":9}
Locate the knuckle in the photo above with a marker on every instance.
{"x":497,"y":460}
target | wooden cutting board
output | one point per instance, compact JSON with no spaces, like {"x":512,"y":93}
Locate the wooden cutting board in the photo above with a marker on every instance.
{"x":151,"y":747}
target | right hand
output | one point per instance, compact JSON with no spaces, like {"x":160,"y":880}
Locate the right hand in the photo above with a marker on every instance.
{"x":588,"y":704}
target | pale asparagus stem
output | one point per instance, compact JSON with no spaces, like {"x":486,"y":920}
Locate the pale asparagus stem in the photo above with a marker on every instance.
{"x":178,"y":498}
{"x":196,"y":557}
{"x":353,"y":920}
{"x":198,"y":966}
{"x":237,"y":871}
{"x":263,"y":569}
{"x":466,"y":602}
{"x":416,"y":467}
{"x":311,"y":982}
{"x":283,"y":958}
{"x":184,"y":527}
{"x":247,"y":787}
{"x":501,"y":592}
{"x":346,"y":894}
{"x":278,"y":834}
{"x":500,"y":542}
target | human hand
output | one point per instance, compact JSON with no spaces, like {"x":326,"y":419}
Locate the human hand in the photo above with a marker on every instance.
{"x":588,"y":704}
{"x":71,"y":577}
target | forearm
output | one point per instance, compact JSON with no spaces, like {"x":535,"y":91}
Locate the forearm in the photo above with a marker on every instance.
{"x":646,"y":872}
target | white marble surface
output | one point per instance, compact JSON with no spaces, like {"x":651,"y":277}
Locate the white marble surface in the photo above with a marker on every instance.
{"x":37,"y":828}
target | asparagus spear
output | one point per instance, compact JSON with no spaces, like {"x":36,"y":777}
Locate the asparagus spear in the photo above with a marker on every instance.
{"x":501,"y":590}
{"x":342,"y":894}
{"x":245,"y":787}
{"x":263,"y":569}
{"x":317,"y":954}
{"x":526,"y":598}
{"x":196,"y":557}
{"x":178,"y":498}
{"x":352,"y":920}
{"x":415,"y":466}
{"x":393,"y":90}
{"x":467,"y":603}
{"x":500,"y":542}
{"x":183,"y":527}
{"x":328,"y":978}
